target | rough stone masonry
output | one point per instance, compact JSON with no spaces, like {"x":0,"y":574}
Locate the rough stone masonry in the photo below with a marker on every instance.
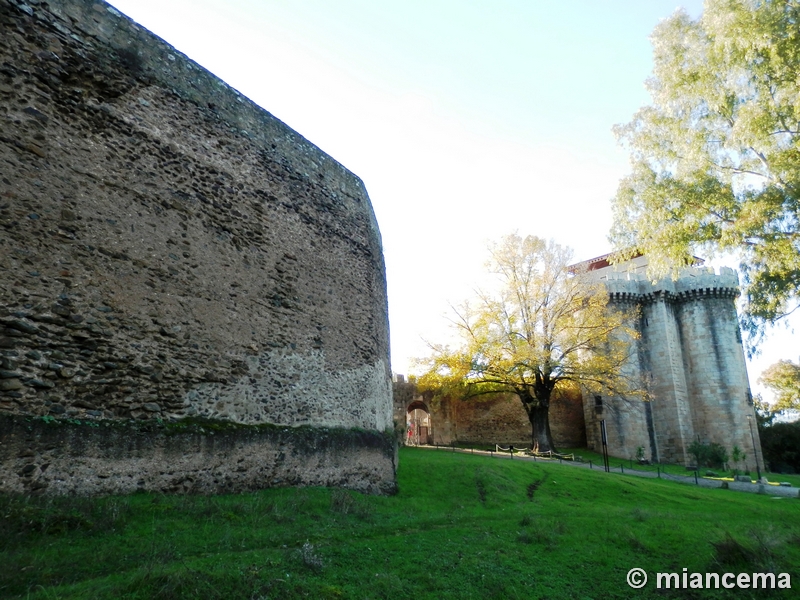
{"x":192,"y":295}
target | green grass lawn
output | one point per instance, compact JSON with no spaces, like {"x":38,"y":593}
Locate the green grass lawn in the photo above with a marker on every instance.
{"x":461,"y":527}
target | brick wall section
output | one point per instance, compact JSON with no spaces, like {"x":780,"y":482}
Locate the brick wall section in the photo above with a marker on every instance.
{"x":567,"y":422}
{"x":489,"y":420}
{"x":168,"y":249}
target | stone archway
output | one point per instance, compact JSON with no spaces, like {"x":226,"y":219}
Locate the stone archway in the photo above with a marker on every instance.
{"x":419,"y":425}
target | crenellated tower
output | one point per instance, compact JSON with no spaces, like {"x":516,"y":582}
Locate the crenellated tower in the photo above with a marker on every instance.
{"x":689,"y":358}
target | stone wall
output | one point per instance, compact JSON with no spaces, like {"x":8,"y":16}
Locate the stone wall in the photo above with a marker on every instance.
{"x":168,"y":249}
{"x":567,"y":422}
{"x":489,"y":420}
{"x":44,"y":456}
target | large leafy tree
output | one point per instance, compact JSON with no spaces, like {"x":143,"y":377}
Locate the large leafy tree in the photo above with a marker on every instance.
{"x":542,"y":328}
{"x":716,"y":156}
{"x":783,"y":378}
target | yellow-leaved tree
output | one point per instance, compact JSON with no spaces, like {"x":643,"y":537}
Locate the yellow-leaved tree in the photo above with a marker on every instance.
{"x":544,"y":327}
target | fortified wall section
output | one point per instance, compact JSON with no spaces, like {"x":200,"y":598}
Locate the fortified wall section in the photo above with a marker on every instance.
{"x":171,"y":251}
{"x":690,"y":359}
{"x":488,"y":420}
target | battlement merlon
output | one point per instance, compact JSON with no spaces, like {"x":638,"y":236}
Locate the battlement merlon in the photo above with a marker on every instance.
{"x":690,"y":283}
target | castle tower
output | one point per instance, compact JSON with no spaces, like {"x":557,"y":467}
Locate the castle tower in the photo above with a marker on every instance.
{"x":688,"y":357}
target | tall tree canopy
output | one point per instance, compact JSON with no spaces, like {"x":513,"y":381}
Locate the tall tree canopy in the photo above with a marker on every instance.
{"x":716,"y":157}
{"x":541,"y":328}
{"x":783,"y":378}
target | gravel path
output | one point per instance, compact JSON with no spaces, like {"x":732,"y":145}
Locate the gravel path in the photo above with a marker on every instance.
{"x":737,"y":486}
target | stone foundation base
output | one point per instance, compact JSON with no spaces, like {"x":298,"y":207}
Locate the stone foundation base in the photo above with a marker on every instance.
{"x":58,"y":457}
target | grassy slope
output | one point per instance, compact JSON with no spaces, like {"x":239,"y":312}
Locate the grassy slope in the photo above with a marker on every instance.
{"x":461,"y":527}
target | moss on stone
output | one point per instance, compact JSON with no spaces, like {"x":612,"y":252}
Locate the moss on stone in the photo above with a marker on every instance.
{"x":312,"y":438}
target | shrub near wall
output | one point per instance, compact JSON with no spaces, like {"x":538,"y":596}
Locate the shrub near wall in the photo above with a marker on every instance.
{"x":781,"y":445}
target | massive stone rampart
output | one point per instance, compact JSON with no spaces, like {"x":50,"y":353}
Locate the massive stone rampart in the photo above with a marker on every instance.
{"x":170,"y":250}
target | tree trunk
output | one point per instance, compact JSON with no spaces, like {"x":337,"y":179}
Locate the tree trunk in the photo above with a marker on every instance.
{"x":538,"y":410}
{"x":541,"y":438}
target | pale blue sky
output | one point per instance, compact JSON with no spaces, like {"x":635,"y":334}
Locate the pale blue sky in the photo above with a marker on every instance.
{"x":465,"y":119}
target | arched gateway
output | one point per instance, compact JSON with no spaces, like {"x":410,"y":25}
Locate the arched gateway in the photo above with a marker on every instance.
{"x":419,"y":425}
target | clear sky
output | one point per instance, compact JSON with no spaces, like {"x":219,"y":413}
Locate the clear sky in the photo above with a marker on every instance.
{"x":466,"y":120}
